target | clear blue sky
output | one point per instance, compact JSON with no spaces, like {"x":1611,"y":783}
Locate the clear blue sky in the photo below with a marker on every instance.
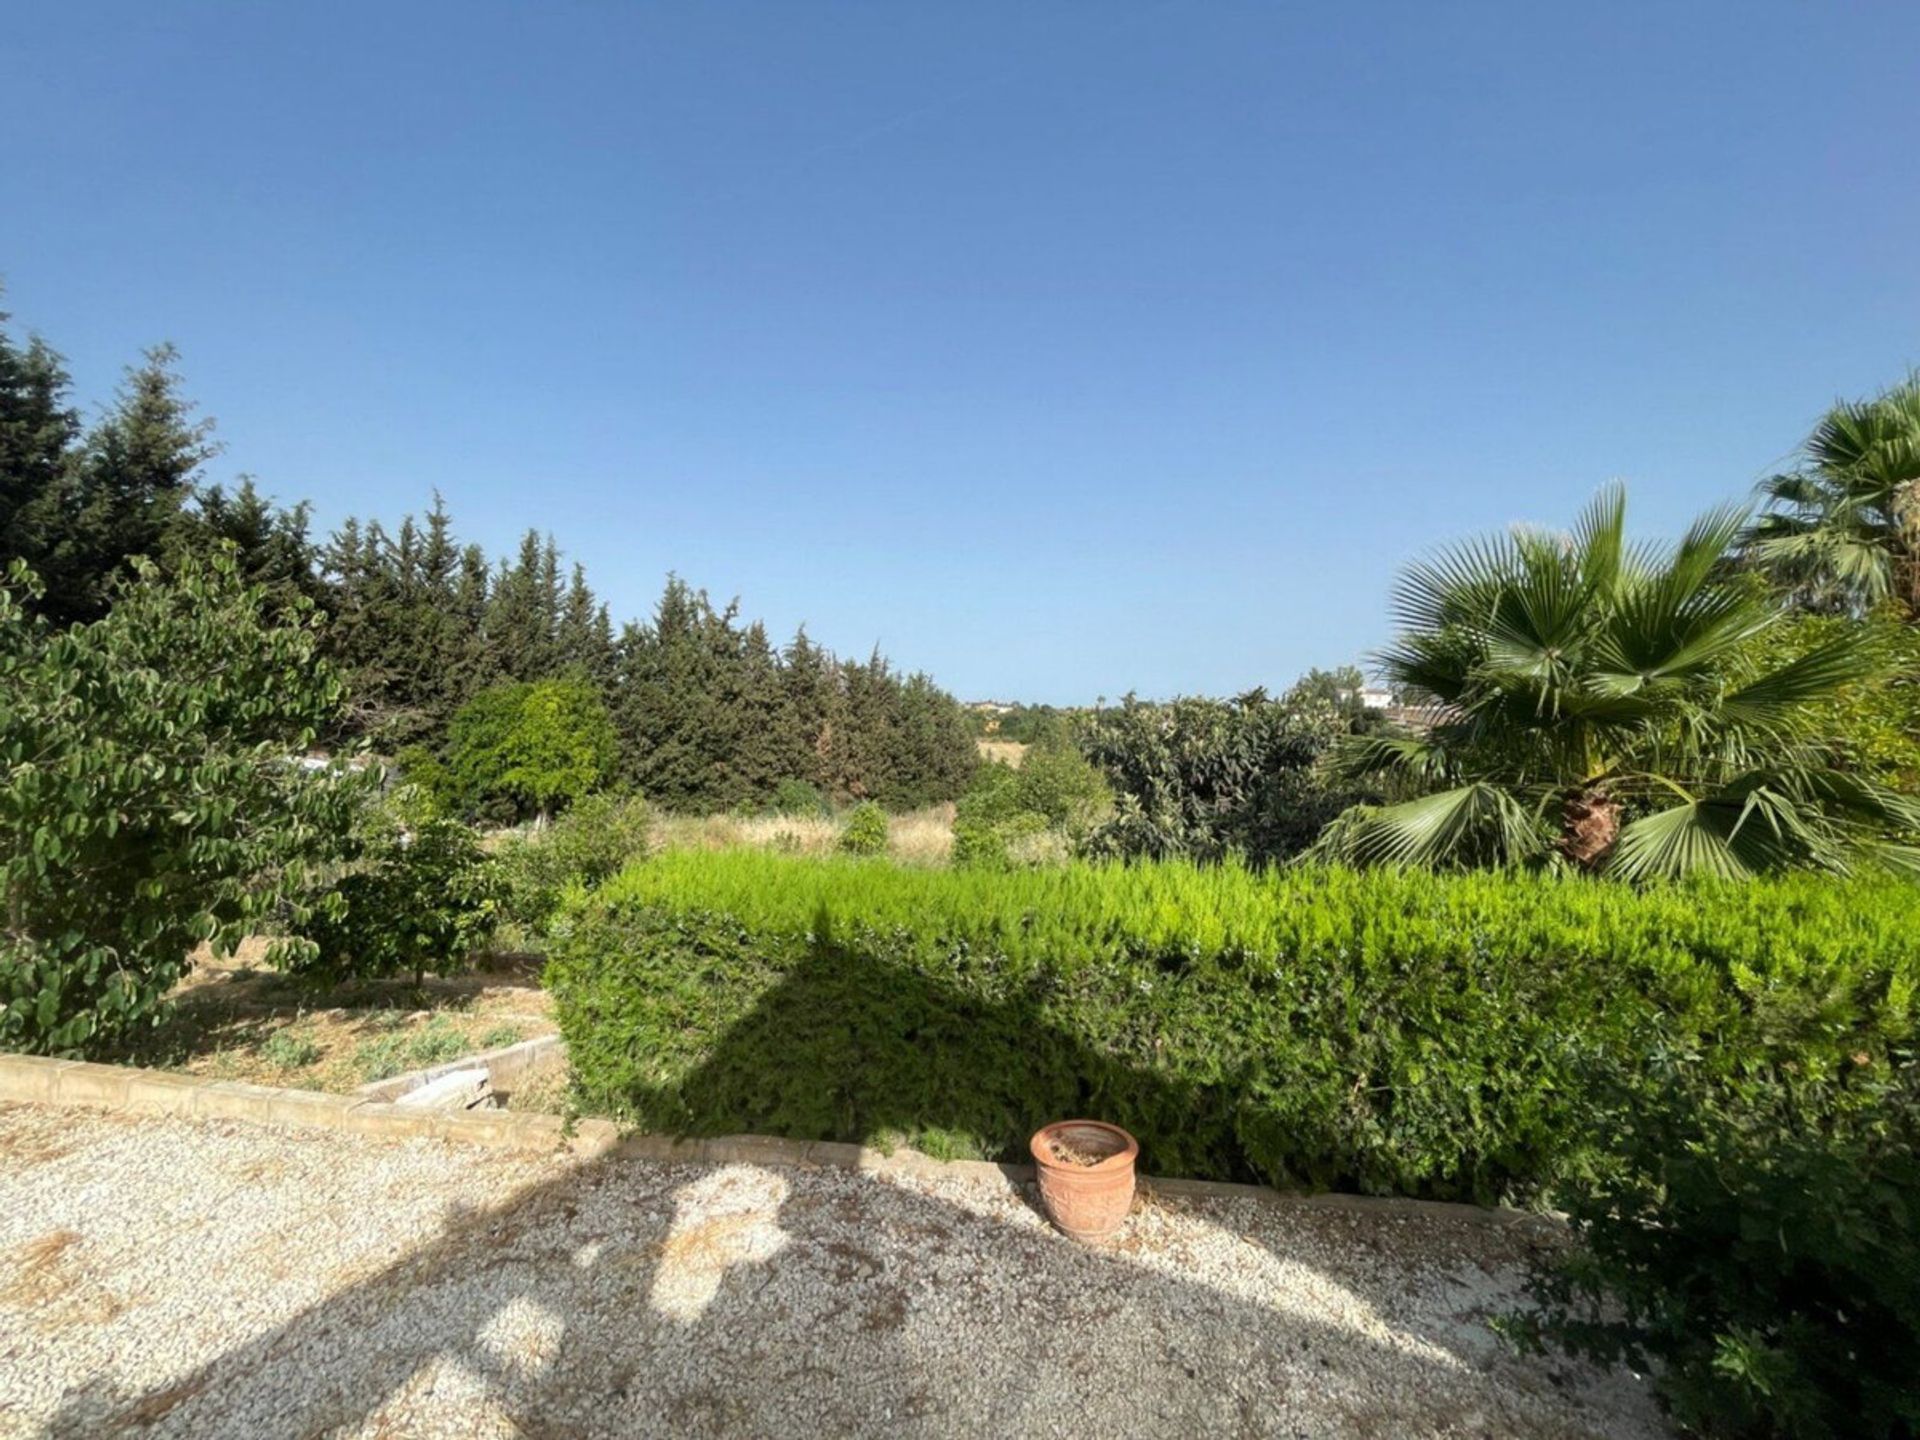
{"x":1060,"y":349}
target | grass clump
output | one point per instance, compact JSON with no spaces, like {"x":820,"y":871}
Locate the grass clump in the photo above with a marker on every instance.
{"x":289,"y":1050}
{"x":392,"y":1053}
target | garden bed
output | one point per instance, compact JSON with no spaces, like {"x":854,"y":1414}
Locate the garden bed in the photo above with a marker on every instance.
{"x":233,"y":1020}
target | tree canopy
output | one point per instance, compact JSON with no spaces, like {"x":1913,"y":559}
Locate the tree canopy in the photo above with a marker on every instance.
{"x":1611,"y":706}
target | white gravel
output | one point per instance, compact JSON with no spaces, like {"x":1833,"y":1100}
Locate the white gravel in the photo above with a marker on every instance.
{"x":206,"y":1279}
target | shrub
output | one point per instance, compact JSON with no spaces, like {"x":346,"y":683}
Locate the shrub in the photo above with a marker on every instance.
{"x":800,"y":799}
{"x":1035,"y":813}
{"x":287,"y":1051}
{"x":1387,"y":1032}
{"x":1755,"y":1244}
{"x":585,"y":846}
{"x":418,"y":899}
{"x":866,"y":832}
{"x":149,"y":795}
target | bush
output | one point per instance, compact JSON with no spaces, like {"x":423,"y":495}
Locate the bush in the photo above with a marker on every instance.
{"x":584,"y":847}
{"x":1388,"y":1032}
{"x":419,"y":899}
{"x":150,"y":795}
{"x":1755,"y":1244}
{"x":799,"y":799}
{"x":1036,"y":813}
{"x":866,"y":832}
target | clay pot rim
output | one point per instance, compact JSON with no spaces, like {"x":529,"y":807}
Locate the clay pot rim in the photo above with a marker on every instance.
{"x":1122,"y":1158}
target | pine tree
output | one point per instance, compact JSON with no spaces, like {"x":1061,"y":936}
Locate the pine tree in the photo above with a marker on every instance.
{"x":120,"y":495}
{"x":584,"y":634}
{"x":270,"y":544}
{"x":38,"y":431}
{"x":523,"y":610}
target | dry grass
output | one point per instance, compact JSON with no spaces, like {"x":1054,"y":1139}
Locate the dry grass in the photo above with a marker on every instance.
{"x":920,"y":837}
{"x":49,"y":1280}
{"x":233,"y":1022}
{"x":1007,"y":752}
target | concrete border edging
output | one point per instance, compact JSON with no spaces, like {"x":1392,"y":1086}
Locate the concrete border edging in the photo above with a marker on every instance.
{"x":37,"y":1080}
{"x":507,"y":1062}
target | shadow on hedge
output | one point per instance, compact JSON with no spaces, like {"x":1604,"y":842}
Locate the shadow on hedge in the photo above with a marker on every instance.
{"x":846,"y":1047}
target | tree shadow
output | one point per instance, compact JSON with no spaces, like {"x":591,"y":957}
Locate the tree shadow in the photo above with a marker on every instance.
{"x":624,"y":1297}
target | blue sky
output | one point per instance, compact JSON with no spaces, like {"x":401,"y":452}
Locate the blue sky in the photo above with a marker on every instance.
{"x":1060,"y":350}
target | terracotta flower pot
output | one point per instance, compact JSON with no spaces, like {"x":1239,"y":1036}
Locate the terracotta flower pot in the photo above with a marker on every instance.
{"x":1086,"y":1176}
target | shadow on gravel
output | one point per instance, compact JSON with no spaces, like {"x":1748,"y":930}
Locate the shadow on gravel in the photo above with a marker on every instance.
{"x":628,"y":1298}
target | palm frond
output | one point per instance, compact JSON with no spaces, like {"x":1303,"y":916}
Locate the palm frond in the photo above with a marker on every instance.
{"x":1476,"y":824}
{"x":1842,"y":660}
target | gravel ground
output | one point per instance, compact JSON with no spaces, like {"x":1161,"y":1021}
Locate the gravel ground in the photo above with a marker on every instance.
{"x":203,"y":1279}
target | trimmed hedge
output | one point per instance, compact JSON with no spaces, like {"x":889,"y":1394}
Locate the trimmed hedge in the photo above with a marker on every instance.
{"x":1384,"y":1032}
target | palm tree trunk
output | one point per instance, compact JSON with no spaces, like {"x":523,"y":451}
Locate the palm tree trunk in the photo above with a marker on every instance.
{"x":1589,"y":826}
{"x":1906,"y":547}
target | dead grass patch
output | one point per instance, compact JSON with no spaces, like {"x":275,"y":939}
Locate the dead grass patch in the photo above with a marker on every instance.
{"x":918,"y":837}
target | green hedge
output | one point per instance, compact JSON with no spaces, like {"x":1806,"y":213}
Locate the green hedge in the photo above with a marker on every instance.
{"x":1382,"y":1032}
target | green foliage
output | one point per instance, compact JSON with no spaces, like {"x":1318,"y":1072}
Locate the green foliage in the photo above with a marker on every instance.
{"x":1053,"y":790}
{"x":537,"y":746}
{"x":593,"y":841}
{"x":1871,"y":725}
{"x":799,"y":799}
{"x":866,"y":831}
{"x":150,"y":797}
{"x":81,"y":507}
{"x":1197,"y":778}
{"x":1388,"y":1031}
{"x":1024,"y":725}
{"x":384,"y":1056}
{"x":1755,"y":1242}
{"x":417,"y":899}
{"x":712,"y":717}
{"x":1600,"y":706}
{"x":1842,"y":530}
{"x":288,"y":1050}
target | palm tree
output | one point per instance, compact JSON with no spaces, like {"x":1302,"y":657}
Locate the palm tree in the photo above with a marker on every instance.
{"x":1612,"y":707}
{"x":1842,"y":530}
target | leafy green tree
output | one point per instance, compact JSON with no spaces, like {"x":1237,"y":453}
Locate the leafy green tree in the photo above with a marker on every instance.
{"x":418,"y":897}
{"x":539,"y":745}
{"x":1842,"y":530}
{"x":1199,"y":777}
{"x":1599,"y":707}
{"x":150,"y":793}
{"x":597,"y":837}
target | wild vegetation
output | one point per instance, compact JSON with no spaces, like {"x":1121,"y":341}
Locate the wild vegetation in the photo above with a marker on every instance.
{"x":1633,"y":932}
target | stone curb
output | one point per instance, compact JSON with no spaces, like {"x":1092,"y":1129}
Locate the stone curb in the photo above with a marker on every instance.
{"x":36,"y":1080}
{"x":509,"y":1059}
